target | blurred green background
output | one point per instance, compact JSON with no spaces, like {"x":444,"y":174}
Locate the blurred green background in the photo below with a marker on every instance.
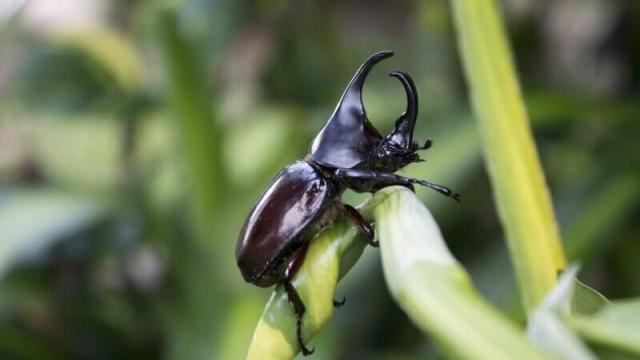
{"x":136,"y":135}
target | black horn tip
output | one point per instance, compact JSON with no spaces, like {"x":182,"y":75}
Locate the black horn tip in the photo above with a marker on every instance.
{"x":406,"y":80}
{"x":368,"y":64}
{"x":354,"y":89}
{"x":410,"y":89}
{"x":382,"y":55}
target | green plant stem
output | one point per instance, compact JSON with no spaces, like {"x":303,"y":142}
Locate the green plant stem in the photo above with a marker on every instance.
{"x":330,"y":255}
{"x":522,"y":198}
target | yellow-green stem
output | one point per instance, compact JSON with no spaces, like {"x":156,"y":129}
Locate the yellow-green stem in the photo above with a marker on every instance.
{"x":523,"y":200}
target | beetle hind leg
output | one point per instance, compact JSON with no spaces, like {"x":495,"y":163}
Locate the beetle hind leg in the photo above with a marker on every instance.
{"x":292,"y":294}
{"x":299,"y":308}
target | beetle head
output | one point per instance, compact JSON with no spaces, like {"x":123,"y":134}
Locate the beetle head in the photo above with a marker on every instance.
{"x":348,"y":138}
{"x":398,"y":148}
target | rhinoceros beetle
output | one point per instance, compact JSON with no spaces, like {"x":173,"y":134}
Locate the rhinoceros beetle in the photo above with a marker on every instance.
{"x":305,"y":196}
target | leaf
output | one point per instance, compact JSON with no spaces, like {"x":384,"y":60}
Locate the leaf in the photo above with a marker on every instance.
{"x":433,"y":289}
{"x":522,"y":197}
{"x":546,"y":327}
{"x":111,"y":51}
{"x":548,"y":331}
{"x":587,"y":300}
{"x":616,"y":325}
{"x":31,"y":220}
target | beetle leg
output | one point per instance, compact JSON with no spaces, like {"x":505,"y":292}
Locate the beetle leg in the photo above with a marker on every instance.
{"x":298,"y":306}
{"x":364,"y":226}
{"x":371,"y":181}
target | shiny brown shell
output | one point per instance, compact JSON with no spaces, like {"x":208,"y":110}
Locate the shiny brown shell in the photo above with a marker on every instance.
{"x":296,"y":197}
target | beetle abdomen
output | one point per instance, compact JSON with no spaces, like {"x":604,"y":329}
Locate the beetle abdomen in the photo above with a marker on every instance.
{"x":293,"y":200}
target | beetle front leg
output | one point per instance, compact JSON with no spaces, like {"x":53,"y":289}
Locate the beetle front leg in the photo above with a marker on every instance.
{"x":372,"y":181}
{"x":364,"y":226}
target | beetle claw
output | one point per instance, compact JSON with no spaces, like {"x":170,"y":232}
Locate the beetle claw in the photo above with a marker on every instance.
{"x":427,"y":144}
{"x":339,"y":303}
{"x":307,"y":352}
{"x":299,"y":308}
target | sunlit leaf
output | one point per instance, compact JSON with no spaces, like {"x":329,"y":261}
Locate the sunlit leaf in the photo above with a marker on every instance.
{"x":616,"y":325}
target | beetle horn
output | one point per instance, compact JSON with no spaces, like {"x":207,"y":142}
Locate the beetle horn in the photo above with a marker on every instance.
{"x":348,"y":137}
{"x":351,"y":101}
{"x":403,"y":132}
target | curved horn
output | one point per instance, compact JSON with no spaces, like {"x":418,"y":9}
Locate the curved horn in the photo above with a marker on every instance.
{"x":348,"y":138}
{"x":352,"y":96}
{"x":403,"y":132}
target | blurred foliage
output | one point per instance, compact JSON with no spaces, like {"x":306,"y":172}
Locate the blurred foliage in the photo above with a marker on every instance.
{"x":136,"y":135}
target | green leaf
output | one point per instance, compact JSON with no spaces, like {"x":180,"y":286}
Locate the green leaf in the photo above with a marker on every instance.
{"x":587,"y":300}
{"x":33,"y":219}
{"x":433,"y":289}
{"x":522,"y":198}
{"x":615,"y":325}
{"x":546,"y":327}
{"x":110,"y":50}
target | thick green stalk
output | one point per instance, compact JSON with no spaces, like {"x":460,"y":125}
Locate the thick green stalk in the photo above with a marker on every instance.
{"x":523,"y":200}
{"x":330,"y":255}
